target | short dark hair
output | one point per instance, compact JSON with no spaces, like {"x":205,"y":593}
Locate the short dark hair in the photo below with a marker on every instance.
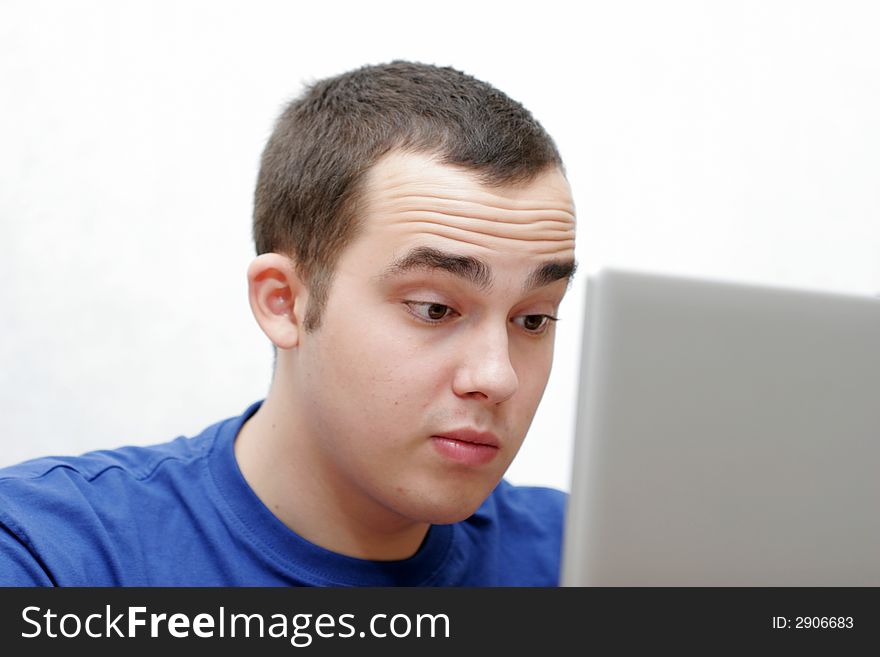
{"x":325,"y":141}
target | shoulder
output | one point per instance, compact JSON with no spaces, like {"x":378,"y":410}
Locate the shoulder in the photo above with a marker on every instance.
{"x":527,"y":509}
{"x":47,"y":482}
{"x":522,"y":527}
{"x":68,"y":517}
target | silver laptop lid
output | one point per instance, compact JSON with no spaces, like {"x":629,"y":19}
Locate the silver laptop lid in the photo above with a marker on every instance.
{"x":726,"y":435}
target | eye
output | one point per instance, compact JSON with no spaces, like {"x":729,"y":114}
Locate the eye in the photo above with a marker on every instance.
{"x":535,"y":324}
{"x":427,"y":311}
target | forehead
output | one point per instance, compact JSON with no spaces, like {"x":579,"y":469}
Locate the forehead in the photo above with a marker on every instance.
{"x":413,"y":200}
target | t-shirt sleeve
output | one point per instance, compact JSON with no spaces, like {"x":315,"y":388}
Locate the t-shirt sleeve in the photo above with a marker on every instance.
{"x":18,"y":567}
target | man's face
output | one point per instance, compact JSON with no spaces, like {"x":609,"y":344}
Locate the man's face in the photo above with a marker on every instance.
{"x":434,"y":347}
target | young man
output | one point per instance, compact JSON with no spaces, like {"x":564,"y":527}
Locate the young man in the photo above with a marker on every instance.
{"x":415,"y":235}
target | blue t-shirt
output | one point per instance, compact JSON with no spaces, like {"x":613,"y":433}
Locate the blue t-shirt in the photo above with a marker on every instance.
{"x":181,"y":514}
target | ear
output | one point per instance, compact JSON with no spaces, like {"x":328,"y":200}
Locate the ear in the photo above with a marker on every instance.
{"x":278,"y":298}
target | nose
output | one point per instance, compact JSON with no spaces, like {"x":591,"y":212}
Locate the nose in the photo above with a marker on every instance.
{"x":485,"y":371}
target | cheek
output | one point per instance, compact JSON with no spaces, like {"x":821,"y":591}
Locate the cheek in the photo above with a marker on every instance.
{"x":533,"y":371}
{"x":381,"y":366}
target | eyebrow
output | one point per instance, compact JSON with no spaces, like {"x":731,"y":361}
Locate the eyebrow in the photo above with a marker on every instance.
{"x":473,"y":270}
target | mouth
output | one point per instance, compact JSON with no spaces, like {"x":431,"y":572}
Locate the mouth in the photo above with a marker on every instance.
{"x":467,"y":447}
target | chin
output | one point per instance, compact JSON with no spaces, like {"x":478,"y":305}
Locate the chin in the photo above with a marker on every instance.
{"x":451,"y":516}
{"x":439,"y":509}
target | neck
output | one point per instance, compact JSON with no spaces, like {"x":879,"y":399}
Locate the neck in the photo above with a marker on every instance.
{"x":285,"y":467}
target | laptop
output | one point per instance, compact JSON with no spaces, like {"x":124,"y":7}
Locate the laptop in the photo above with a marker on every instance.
{"x":727,"y":435}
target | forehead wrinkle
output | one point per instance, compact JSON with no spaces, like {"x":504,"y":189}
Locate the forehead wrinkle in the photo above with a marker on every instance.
{"x":461,"y":228}
{"x":531,"y":212}
{"x":538,"y":245}
{"x":472,"y":269}
{"x":468,"y":202}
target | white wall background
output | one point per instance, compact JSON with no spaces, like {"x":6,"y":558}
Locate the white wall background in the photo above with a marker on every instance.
{"x":734,"y":140}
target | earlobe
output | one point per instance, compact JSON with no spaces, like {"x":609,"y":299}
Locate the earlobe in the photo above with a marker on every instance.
{"x":277,"y":298}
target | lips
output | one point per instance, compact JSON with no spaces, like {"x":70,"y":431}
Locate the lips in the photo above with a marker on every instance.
{"x":471,"y":436}
{"x":467,"y":446}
